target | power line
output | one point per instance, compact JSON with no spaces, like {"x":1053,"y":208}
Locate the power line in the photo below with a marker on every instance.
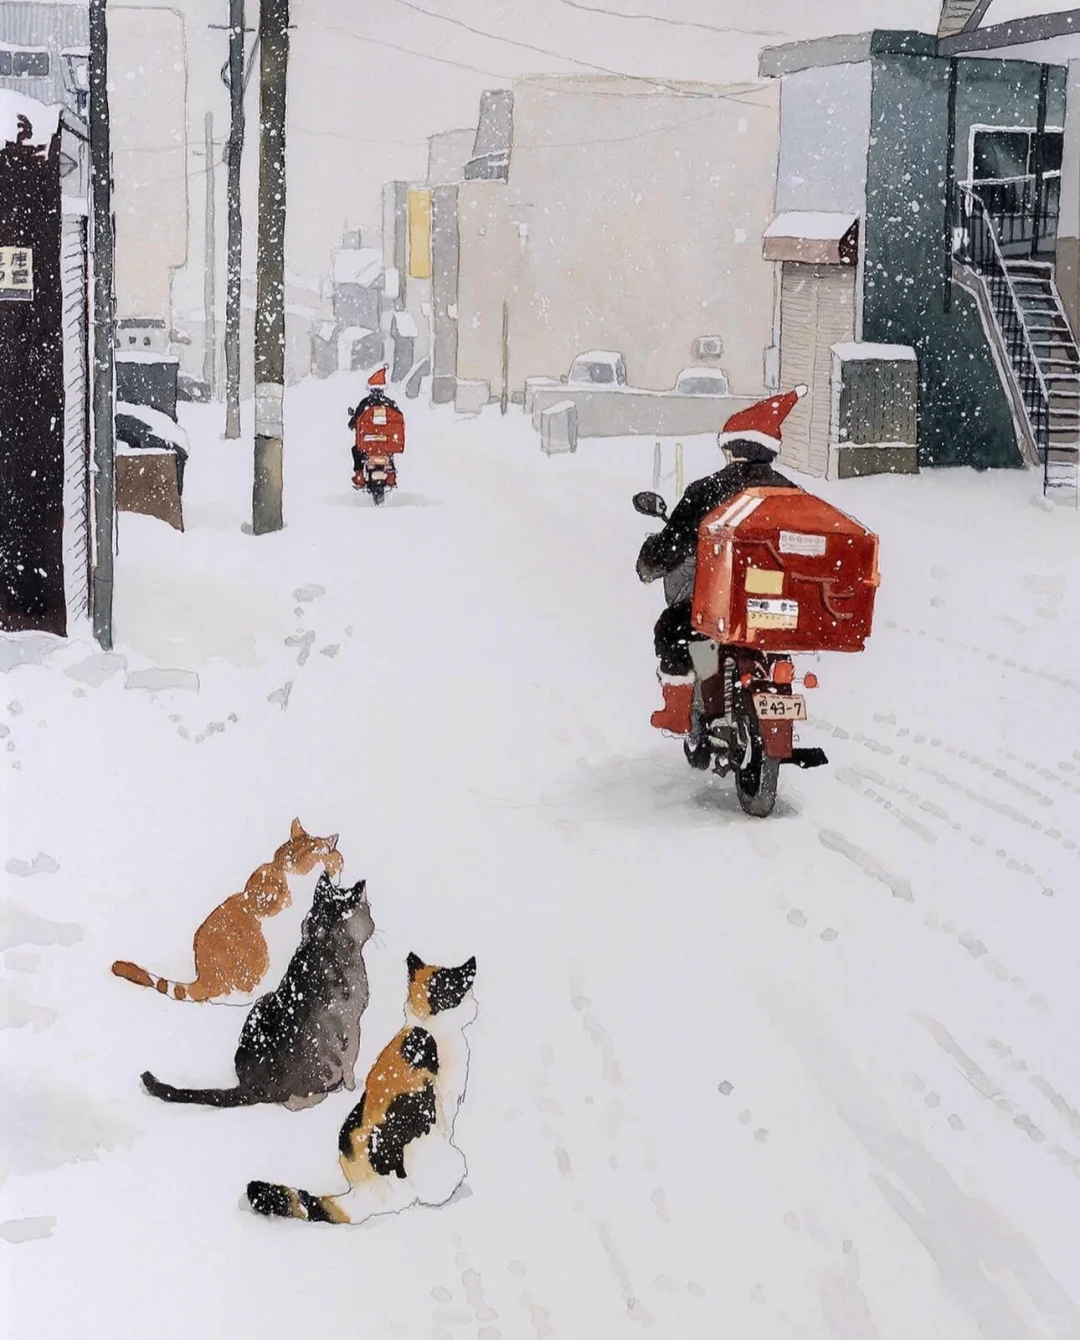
{"x":674,"y":23}
{"x":357,"y":139}
{"x":495,"y":37}
{"x":556,"y":55}
{"x":408,"y":51}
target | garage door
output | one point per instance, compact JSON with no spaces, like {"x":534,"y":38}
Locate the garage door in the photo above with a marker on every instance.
{"x":817,"y":310}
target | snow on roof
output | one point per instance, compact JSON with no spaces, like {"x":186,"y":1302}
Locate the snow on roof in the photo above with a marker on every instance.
{"x":360,"y":265}
{"x":159,"y":424}
{"x":819,"y":227}
{"x":405,"y":324}
{"x":141,"y":356}
{"x":857,"y":350}
{"x":43,"y":119}
{"x":600,"y":356}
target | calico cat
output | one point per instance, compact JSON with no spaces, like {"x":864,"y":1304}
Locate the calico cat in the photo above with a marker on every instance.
{"x":299,"y":1043}
{"x":396,"y":1146}
{"x":246,"y":941}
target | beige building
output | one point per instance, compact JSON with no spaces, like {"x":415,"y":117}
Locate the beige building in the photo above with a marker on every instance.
{"x":621,"y":214}
{"x":148,"y":105}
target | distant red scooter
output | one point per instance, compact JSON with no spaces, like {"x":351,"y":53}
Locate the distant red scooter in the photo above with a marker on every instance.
{"x":380,"y":436}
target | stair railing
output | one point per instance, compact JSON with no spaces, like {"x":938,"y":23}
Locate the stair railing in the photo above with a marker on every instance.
{"x":976,"y":245}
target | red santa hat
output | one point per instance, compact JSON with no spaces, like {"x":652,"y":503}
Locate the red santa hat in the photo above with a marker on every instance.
{"x":378,"y":377}
{"x":761,"y":422}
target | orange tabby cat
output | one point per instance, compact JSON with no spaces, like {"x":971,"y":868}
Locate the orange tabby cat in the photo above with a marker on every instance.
{"x":232,"y":952}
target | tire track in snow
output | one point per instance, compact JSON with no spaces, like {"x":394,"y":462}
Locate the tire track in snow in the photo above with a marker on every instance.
{"x":989,"y":1088}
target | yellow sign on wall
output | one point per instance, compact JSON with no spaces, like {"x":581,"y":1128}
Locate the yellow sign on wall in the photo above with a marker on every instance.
{"x":420,"y":234}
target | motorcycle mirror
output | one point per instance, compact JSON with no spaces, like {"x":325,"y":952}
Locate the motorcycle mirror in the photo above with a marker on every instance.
{"x":650,"y":504}
{"x":352,"y":411}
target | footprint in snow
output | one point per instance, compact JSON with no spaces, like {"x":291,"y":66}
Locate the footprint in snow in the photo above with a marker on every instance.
{"x":281,"y":696}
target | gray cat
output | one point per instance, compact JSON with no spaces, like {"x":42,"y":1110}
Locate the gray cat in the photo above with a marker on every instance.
{"x":300,"y":1041}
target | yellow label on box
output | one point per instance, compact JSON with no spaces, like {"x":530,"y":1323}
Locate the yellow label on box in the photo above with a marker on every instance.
{"x":764,"y":582}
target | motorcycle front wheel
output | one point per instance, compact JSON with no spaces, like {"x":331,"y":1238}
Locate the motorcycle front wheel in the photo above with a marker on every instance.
{"x":756,"y":774}
{"x":378,"y":493}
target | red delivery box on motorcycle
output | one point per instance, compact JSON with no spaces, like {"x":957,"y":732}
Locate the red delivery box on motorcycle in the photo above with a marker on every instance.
{"x":782,"y":571}
{"x":380,"y":430}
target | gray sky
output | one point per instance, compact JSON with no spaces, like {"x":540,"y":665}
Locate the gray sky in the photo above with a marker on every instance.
{"x":370,"y":81}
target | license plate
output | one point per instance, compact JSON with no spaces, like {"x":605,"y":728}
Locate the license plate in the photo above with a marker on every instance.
{"x":379,"y":476}
{"x":780,"y":707}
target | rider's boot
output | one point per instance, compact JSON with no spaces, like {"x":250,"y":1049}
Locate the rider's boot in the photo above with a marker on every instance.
{"x":674,"y":716}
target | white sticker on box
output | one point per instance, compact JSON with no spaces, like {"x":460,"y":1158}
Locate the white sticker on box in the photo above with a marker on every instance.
{"x":771,"y":613}
{"x":794,"y":542}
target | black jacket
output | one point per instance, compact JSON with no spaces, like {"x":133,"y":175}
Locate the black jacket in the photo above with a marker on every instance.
{"x":676,"y":544}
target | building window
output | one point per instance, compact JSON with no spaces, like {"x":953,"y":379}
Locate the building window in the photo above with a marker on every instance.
{"x":24,"y":64}
{"x":1016,"y":175}
{"x":1010,"y":155}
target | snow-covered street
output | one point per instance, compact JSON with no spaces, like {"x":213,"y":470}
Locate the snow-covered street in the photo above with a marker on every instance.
{"x":879,"y":1136}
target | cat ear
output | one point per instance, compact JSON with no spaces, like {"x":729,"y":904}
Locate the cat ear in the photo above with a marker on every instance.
{"x":414,"y":963}
{"x":468,"y":968}
{"x":297,"y":829}
{"x":358,"y":890}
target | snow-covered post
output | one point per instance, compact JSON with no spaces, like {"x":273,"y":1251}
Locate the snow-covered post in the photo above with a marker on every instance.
{"x":678,"y":471}
{"x":270,"y":293}
{"x":237,"y":82}
{"x":656,"y":463}
{"x":210,"y":268}
{"x":104,"y":389}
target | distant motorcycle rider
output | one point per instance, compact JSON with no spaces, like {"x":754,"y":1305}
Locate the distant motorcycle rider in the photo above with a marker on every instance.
{"x":376,"y":396}
{"x":751,"y":441}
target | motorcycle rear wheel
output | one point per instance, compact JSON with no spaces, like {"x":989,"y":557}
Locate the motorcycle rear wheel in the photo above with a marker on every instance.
{"x":378,"y":493}
{"x":756,"y":774}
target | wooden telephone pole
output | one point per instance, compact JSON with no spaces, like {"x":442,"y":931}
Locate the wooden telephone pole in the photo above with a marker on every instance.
{"x":266,"y":511}
{"x":104,"y":367}
{"x":237,"y":82}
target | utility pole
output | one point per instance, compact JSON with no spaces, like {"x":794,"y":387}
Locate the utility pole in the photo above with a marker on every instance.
{"x":237,"y":83}
{"x":270,"y":295}
{"x":209,"y":278}
{"x":104,"y":377}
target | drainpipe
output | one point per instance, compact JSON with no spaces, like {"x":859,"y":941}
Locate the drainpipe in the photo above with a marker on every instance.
{"x":1040,"y":140}
{"x":103,"y":332}
{"x":950,"y":191}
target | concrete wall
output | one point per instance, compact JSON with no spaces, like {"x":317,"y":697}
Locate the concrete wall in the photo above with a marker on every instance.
{"x":448,"y":153}
{"x":964,"y":415}
{"x":825,"y":114}
{"x":631,"y":220}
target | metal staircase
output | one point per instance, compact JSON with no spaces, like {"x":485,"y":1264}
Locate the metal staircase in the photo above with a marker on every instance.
{"x":1059,"y":363}
{"x":1042,"y":355}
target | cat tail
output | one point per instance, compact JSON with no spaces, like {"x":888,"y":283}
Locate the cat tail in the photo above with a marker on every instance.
{"x":131,"y":972}
{"x":212,"y":1097}
{"x":284,"y":1202}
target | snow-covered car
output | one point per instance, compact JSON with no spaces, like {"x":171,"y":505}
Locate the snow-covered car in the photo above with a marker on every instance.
{"x":598,"y":367}
{"x":701,"y":381}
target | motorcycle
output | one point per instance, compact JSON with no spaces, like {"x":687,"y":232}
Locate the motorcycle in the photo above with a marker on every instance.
{"x":744,"y":712}
{"x":377,"y":475}
{"x":379,"y":437}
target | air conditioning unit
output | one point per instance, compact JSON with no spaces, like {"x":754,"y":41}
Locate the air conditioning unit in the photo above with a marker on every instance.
{"x":708,"y":346}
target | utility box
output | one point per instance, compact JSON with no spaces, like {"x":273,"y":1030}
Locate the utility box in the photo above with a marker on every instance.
{"x":470,"y":397}
{"x":874,"y":412}
{"x":782,"y":571}
{"x":559,"y":428}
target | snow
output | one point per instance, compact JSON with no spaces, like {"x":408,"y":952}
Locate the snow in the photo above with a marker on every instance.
{"x":138,"y":356}
{"x":160,"y":424}
{"x":405,"y":325}
{"x":856,"y":350}
{"x":810,"y":226}
{"x":43,"y":119}
{"x":362,"y":265}
{"x":813,"y":1076}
